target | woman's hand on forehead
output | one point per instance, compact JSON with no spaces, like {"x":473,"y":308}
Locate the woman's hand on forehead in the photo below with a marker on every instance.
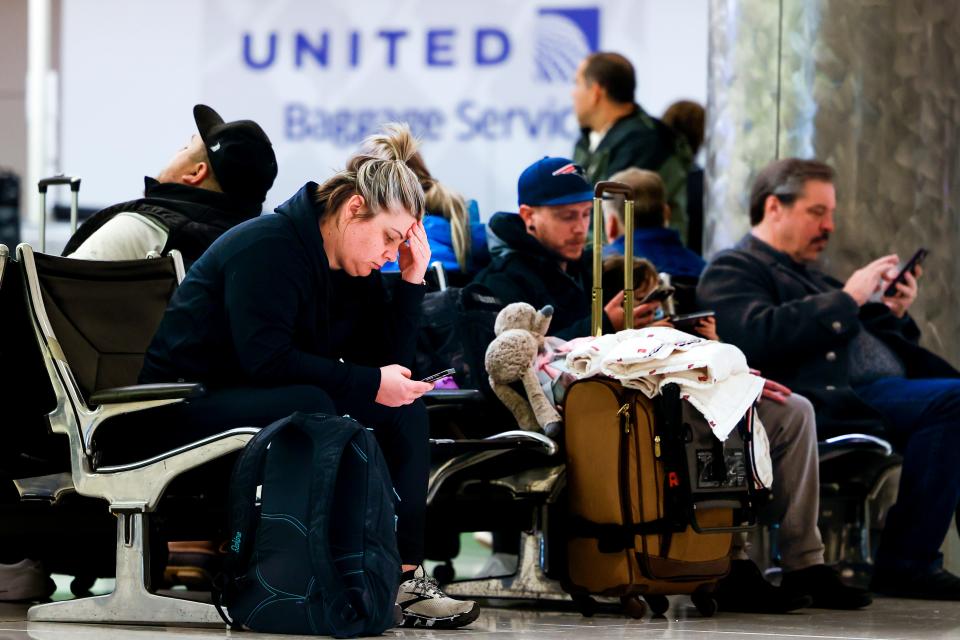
{"x":414,"y":254}
{"x":413,"y":228}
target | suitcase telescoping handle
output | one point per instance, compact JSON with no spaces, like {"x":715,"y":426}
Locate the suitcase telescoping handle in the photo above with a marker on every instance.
{"x":596,"y":327}
{"x":74,"y":192}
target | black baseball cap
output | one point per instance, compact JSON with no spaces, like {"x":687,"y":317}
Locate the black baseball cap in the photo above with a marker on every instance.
{"x":553,"y":181}
{"x":240,"y":153}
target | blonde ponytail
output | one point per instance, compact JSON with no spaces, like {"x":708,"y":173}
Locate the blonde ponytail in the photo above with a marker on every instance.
{"x":396,"y":142}
{"x":381,"y":173}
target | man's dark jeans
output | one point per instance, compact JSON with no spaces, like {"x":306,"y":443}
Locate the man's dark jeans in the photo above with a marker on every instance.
{"x":924,"y":418}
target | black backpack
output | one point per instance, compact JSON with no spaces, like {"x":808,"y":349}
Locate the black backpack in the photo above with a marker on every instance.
{"x":317,"y":553}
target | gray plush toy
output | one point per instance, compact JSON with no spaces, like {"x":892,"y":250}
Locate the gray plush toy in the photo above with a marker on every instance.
{"x":512,"y":356}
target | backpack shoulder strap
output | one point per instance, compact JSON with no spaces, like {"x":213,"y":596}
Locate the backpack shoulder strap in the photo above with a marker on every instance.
{"x":247,"y":475}
{"x":331,"y":436}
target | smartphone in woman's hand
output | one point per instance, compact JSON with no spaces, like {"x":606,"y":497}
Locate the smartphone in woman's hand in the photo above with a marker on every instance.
{"x":439,"y":375}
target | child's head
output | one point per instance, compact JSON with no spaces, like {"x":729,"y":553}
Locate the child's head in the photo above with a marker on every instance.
{"x":645,"y":277}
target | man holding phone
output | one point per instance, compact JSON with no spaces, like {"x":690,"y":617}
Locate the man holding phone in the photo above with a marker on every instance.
{"x":788,"y":419}
{"x":539,"y":256}
{"x":857,"y":358}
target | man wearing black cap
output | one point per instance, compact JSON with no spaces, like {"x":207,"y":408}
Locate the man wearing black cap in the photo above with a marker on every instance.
{"x":538,"y":255}
{"x":217,"y":181}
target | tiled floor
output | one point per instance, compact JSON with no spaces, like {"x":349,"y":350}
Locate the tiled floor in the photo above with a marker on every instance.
{"x":887,"y":618}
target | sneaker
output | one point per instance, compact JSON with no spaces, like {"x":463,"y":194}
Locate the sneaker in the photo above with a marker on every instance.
{"x":937,"y":585}
{"x":24,"y":581}
{"x":823,"y":584}
{"x":745,"y":590}
{"x":425,"y":605}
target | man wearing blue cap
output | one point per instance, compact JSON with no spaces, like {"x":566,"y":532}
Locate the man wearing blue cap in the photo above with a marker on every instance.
{"x":538,"y":256}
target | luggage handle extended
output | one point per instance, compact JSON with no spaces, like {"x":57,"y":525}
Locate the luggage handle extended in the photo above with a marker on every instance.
{"x":596,"y":316}
{"x":42,"y":185}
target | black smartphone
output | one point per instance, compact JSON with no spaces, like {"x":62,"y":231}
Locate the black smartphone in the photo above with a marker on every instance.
{"x":439,"y":375}
{"x":911,"y":266}
{"x":689,"y":320}
{"x":657,"y":295}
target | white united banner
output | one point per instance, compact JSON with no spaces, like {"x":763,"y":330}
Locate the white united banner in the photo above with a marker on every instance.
{"x":484,"y":84}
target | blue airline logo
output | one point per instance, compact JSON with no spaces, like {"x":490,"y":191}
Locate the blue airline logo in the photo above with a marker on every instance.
{"x":565,"y":37}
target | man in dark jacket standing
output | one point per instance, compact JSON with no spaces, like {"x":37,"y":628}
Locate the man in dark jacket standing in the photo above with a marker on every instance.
{"x":618,"y":134}
{"x":853,"y":352}
{"x":218,"y":180}
{"x":538,"y":256}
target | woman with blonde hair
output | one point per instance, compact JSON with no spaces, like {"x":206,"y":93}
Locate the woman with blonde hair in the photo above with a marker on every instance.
{"x":288,"y":312}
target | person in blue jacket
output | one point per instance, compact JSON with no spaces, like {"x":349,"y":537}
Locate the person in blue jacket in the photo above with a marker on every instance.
{"x":458,"y":240}
{"x":652,"y":238}
{"x":288,"y":312}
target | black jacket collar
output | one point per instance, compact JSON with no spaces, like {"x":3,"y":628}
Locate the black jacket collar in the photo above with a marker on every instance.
{"x":813,"y":279}
{"x":752,"y":244}
{"x":304,"y":214}
{"x":621,"y":127}
{"x":513,"y":238}
{"x":210,"y":204}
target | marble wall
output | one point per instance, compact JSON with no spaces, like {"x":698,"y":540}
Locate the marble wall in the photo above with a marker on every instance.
{"x":871,"y":87}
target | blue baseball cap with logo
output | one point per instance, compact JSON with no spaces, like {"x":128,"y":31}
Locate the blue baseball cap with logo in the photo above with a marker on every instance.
{"x":553,"y":181}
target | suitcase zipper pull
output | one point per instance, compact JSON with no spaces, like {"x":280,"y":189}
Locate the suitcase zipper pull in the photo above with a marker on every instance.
{"x":624,"y":414}
{"x":656,"y":446}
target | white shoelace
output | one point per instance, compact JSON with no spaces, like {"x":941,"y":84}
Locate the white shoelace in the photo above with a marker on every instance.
{"x":428,"y":587}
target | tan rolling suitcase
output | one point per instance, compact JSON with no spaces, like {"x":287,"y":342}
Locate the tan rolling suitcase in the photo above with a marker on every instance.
{"x":653,"y":497}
